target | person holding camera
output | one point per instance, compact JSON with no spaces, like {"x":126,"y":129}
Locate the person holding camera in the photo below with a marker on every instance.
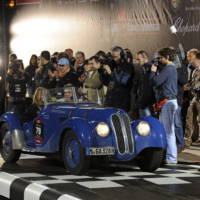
{"x":117,"y":76}
{"x":194,"y":108}
{"x":17,"y":81}
{"x":165,"y":85}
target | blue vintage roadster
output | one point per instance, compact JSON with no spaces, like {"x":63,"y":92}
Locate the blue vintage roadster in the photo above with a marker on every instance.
{"x":77,"y":129}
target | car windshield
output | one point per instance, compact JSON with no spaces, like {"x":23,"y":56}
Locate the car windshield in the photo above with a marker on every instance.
{"x":70,"y":95}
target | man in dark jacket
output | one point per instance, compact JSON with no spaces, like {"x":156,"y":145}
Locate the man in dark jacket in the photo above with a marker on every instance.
{"x":118,"y":78}
{"x":145,"y":93}
{"x":46,"y":74}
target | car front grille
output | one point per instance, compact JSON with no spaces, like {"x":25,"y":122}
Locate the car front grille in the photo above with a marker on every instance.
{"x":123,"y":133}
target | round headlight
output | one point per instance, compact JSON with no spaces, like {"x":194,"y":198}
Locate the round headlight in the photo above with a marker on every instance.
{"x":143,"y":128}
{"x":102,"y":129}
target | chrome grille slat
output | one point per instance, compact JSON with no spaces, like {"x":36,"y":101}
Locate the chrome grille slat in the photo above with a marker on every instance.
{"x":128,"y":132}
{"x":123,"y":133}
{"x":119,"y":133}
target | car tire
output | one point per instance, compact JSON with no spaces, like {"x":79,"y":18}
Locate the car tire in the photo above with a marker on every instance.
{"x":8,"y":154}
{"x":73,"y":154}
{"x":150,"y":159}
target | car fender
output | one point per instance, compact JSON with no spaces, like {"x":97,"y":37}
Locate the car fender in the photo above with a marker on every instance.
{"x":83,"y":131}
{"x":12,"y":120}
{"x":156,"y":138}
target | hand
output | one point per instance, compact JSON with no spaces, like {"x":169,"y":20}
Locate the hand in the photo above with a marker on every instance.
{"x":107,"y":68}
{"x":154,"y":68}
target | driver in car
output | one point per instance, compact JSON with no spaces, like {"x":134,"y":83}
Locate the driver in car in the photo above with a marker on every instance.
{"x":68,"y":95}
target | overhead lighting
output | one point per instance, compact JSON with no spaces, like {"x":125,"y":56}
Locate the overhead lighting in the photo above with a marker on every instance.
{"x":11,"y":3}
{"x":173,"y":29}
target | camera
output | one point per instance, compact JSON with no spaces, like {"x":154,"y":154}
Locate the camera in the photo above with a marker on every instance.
{"x":155,"y":61}
{"x":107,"y":60}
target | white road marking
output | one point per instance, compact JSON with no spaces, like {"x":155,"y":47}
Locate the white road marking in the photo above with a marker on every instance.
{"x":67,"y":197}
{"x":116,"y":178}
{"x":99,"y":184}
{"x":25,"y":175}
{"x":179,"y":175}
{"x":166,"y":181}
{"x":135,"y":173}
{"x":51,"y":182}
{"x":70,"y":177}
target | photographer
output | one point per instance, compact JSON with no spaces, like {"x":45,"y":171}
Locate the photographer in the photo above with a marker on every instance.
{"x":165,"y":84}
{"x":118,"y":77}
{"x":194,"y":108}
{"x":16,"y":81}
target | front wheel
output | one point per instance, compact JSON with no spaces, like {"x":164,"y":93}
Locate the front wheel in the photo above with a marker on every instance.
{"x":73,"y":154}
{"x":150,"y":159}
{"x":8,"y":154}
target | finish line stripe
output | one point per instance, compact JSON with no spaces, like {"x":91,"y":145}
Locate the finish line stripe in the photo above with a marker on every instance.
{"x":15,"y":188}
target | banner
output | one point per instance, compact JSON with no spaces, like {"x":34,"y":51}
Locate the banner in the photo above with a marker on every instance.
{"x":134,"y":24}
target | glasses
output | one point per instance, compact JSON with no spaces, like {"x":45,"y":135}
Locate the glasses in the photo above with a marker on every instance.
{"x":61,"y":65}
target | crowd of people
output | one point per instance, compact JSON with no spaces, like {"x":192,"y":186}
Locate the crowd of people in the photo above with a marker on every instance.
{"x":139,"y":85}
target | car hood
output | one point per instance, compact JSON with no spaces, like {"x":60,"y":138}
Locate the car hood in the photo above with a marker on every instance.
{"x":91,"y":112}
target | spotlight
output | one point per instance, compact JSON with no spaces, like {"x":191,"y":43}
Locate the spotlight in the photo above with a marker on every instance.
{"x":173,"y":29}
{"x":11,"y":3}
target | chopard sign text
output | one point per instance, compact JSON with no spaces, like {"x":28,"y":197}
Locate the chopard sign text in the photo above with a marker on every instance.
{"x":186,"y":28}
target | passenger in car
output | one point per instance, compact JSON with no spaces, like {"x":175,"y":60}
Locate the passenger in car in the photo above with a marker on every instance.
{"x":38,"y":102}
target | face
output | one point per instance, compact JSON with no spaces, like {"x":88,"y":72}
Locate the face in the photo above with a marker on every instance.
{"x":80,"y":58}
{"x":141,"y":60}
{"x":163,"y":60}
{"x":68,"y":95}
{"x":88,"y":67}
{"x":69,"y":52}
{"x":94,"y":64}
{"x":191,"y":57}
{"x":116,"y":55}
{"x":33,"y":60}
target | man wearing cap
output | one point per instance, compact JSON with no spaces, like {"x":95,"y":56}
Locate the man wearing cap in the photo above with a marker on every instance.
{"x":63,"y":67}
{"x":65,"y":74}
{"x":45,"y":75}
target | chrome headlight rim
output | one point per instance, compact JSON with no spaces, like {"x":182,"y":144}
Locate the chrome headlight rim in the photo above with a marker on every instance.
{"x":143,"y":128}
{"x":103,"y":129}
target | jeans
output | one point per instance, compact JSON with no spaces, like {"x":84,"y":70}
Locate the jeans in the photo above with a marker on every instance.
{"x":167,"y":118}
{"x":144,"y":112}
{"x":179,"y":128}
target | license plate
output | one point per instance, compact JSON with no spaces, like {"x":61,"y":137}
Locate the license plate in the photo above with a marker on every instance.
{"x":102,"y":151}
